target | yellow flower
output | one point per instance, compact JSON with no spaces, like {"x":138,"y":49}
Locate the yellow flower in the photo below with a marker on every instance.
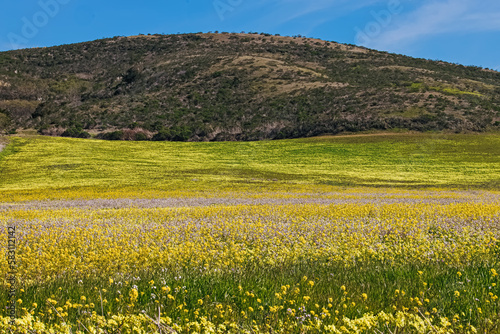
{"x":200,"y":302}
{"x":457,"y":294}
{"x":133,"y":294}
{"x":365,"y":296}
{"x":342,"y":288}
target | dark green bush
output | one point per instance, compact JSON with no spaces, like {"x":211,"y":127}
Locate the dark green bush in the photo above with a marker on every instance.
{"x":177,"y":133}
{"x":162,"y":135}
{"x":75,"y":132}
{"x":115,"y":135}
{"x":141,"y":136}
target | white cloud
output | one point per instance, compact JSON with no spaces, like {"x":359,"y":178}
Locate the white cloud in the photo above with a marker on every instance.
{"x":437,"y":17}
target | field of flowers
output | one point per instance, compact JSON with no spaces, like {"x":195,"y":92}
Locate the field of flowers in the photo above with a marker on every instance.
{"x":263,"y":257}
{"x":373,"y":261}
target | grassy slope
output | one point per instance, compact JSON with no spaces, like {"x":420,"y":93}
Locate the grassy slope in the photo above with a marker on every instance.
{"x":406,"y":160}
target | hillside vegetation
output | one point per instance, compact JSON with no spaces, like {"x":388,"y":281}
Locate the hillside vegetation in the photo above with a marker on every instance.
{"x":236,"y":87}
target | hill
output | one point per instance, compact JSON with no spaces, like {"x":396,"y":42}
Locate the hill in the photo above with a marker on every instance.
{"x":236,"y":87}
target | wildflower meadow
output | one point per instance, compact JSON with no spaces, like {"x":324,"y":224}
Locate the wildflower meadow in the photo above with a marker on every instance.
{"x":370,"y":234}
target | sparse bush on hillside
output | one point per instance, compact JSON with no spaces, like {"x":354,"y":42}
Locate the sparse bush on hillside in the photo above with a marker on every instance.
{"x":75,"y":132}
{"x":141,"y":136}
{"x":182,"y":133}
{"x":114,"y":135}
{"x":4,"y":122}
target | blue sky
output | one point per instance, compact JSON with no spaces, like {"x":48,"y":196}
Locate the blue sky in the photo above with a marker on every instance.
{"x":459,"y":31}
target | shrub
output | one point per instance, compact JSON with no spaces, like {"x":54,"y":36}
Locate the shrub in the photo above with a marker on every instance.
{"x":177,"y":133}
{"x":115,"y":135}
{"x":162,"y":135}
{"x":75,"y":132}
{"x":141,"y":136}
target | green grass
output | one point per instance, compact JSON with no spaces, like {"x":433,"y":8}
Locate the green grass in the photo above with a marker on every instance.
{"x":391,"y":160}
{"x":454,"y":91}
{"x":379,"y":281}
{"x":418,"y":86}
